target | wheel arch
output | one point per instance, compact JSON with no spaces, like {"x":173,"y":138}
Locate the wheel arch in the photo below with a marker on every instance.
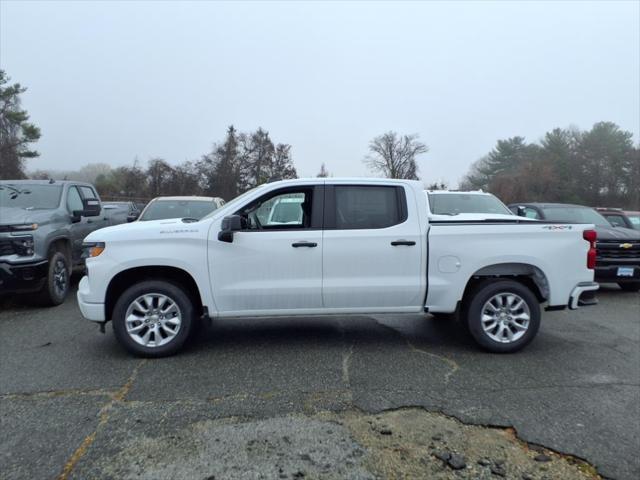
{"x":126,"y":278}
{"x":60,"y":243}
{"x":529,"y":275}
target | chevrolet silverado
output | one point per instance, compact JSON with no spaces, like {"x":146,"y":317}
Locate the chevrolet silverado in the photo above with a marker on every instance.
{"x":358,"y":246}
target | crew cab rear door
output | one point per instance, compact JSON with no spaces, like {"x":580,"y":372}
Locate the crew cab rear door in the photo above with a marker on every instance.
{"x":372,"y":256}
{"x":274,"y":265}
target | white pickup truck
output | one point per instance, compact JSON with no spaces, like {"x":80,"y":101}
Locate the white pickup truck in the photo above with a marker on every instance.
{"x":356,"y":246}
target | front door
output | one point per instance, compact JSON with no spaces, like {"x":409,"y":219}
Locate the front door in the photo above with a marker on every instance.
{"x":274,"y":265}
{"x":79,"y":228}
{"x":372,"y":258}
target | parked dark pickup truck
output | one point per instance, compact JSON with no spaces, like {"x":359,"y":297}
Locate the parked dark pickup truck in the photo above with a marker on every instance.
{"x":42,"y":225}
{"x":617,"y":249}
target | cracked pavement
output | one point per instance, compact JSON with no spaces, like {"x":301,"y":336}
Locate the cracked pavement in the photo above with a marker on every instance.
{"x":75,"y":405}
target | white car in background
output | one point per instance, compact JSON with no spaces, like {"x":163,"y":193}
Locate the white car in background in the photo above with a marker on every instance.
{"x":471,"y":205}
{"x":162,"y":208}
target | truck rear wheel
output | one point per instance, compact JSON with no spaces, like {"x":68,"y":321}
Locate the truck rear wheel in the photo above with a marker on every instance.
{"x":56,"y":285}
{"x":153,"y":318}
{"x":503,"y":316}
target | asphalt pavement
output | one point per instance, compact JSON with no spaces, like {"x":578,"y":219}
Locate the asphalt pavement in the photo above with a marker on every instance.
{"x":73,"y":404}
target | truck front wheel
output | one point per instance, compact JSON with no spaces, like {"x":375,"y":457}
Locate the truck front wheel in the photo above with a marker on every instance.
{"x":503,"y":316}
{"x":56,"y":285}
{"x":153,"y":318}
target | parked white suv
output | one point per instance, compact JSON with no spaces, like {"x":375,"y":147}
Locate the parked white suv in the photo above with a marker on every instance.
{"x":355,"y":246}
{"x":452,"y":203}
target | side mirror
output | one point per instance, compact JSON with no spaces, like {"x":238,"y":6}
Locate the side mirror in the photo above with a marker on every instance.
{"x":132,"y":217}
{"x":92,"y":207}
{"x":521,"y":211}
{"x":76,"y":216}
{"x":230,"y":224}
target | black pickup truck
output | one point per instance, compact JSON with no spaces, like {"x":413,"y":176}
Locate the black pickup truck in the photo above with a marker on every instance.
{"x":617,"y":249}
{"x":42,"y":225}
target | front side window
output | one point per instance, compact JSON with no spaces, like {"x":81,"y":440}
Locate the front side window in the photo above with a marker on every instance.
{"x":531,"y":213}
{"x":74,"y":202}
{"x":291,"y":209}
{"x":363,"y":207}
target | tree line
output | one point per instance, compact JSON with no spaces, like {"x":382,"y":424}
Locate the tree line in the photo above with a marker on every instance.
{"x":240,"y":162}
{"x":596,"y":167}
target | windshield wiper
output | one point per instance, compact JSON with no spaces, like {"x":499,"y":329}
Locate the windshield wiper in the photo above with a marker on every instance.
{"x":15,"y":191}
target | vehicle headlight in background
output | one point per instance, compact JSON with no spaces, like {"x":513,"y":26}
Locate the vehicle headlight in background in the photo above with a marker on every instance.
{"x":23,"y":228}
{"x":92,"y":249}
{"x":23,"y":245}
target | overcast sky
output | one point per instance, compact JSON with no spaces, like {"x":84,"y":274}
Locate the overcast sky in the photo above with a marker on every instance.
{"x":112,"y":81}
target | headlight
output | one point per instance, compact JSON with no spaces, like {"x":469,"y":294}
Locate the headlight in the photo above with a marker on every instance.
{"x":23,"y":245}
{"x":23,"y":228}
{"x":19,"y":228}
{"x":92,"y":249}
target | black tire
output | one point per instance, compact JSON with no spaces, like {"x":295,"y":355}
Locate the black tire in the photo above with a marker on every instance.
{"x":173,"y":292}
{"x":630,"y":286}
{"x":476,"y":302}
{"x":56,"y":285}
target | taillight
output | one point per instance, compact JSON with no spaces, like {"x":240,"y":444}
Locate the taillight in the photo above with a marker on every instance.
{"x":591,"y":236}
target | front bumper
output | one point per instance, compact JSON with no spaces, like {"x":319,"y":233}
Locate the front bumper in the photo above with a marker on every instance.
{"x":90,"y":311}
{"x":22,"y":277}
{"x":583,"y":295}
{"x":609,"y":274}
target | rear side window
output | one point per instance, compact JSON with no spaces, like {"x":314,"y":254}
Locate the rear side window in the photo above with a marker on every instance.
{"x":88,"y":193}
{"x":362,"y":207}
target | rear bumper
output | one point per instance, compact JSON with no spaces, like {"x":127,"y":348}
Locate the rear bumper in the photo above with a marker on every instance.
{"x":609,"y":273}
{"x":583,"y":295}
{"x":90,"y":311}
{"x":22,"y":277}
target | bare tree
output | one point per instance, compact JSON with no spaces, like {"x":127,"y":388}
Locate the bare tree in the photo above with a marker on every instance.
{"x":394,"y":156}
{"x":323,"y":173}
{"x":438,"y":185}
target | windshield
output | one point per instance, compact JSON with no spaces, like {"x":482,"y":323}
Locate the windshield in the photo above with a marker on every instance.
{"x":455,"y":203}
{"x":163,"y":209}
{"x":575,"y":215}
{"x":30,"y":197}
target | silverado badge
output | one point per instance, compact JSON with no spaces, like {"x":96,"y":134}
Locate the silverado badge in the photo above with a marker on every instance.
{"x":626,"y":245}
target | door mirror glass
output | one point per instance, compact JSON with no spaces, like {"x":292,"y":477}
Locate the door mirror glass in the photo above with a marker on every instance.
{"x":230,"y":224}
